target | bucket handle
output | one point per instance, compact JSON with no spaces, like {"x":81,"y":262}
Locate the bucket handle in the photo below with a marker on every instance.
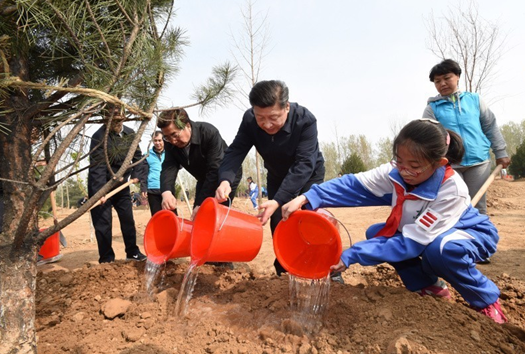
{"x":227,"y":213}
{"x":344,"y":227}
{"x":181,"y":224}
{"x":181,"y":218}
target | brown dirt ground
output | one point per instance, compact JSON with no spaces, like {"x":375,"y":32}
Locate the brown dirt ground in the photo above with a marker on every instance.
{"x":247,"y":310}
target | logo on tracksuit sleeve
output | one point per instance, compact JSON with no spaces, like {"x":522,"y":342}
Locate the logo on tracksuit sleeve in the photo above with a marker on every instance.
{"x":428,"y":219}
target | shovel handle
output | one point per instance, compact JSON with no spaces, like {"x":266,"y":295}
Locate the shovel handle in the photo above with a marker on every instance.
{"x":113,"y":192}
{"x":62,"y":238}
{"x":486,"y":185}
{"x":54,"y":207}
{"x":184,"y":194}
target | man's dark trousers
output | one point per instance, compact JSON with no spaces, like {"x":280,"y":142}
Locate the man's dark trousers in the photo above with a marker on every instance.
{"x":102,"y":222}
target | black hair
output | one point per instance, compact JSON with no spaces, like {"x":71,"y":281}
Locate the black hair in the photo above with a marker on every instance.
{"x":177,"y":116}
{"x":157,"y":133}
{"x":427,"y":139}
{"x":445,"y":67}
{"x":268,"y":93}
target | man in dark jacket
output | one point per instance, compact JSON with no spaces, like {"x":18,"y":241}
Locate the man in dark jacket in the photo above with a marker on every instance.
{"x":196,"y":146}
{"x":119,"y":140}
{"x":285,"y":135}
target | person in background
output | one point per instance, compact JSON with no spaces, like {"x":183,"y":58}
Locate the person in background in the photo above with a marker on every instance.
{"x":82,"y":201}
{"x":432,"y":232}
{"x":135,"y":199}
{"x":196,"y":146}
{"x":154,"y":164}
{"x":119,"y":140}
{"x":285,"y":135}
{"x":466,"y":114}
{"x":253,"y":191}
{"x":264,"y":192}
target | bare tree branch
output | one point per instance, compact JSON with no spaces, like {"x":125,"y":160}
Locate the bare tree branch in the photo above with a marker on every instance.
{"x":472,"y":41}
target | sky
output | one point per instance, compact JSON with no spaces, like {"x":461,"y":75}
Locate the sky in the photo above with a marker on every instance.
{"x":361,"y":67}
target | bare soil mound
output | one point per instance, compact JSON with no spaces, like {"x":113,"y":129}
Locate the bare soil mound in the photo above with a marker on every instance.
{"x":84,"y":307}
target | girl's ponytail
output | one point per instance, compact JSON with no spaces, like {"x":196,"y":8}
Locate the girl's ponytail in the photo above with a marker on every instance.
{"x":455,"y":148}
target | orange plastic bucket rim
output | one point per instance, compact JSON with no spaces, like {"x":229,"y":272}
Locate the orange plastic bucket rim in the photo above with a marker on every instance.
{"x":167,"y":236}
{"x":222,"y":234}
{"x":308,"y":243}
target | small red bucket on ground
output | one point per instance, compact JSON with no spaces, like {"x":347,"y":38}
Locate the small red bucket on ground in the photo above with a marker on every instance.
{"x":51,"y":246}
{"x":308,"y":243}
{"x":221,"y":234}
{"x":167,"y":236}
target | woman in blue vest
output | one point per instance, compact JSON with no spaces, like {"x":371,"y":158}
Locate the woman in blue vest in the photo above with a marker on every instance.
{"x":466,"y":114}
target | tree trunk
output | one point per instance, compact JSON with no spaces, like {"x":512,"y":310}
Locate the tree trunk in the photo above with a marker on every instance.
{"x":17,"y":241}
{"x":17,"y":317}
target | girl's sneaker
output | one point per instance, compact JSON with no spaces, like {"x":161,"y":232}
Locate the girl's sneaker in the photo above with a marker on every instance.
{"x":494,"y":311}
{"x":337,"y":277}
{"x":438,"y":289}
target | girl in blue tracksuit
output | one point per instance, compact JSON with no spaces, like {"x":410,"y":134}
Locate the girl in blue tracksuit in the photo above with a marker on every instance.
{"x":432,"y":232}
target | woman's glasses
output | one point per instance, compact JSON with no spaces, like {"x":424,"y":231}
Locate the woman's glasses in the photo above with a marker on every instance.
{"x":408,"y":171}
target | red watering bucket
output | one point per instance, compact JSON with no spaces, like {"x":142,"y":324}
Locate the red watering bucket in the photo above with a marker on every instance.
{"x":308,"y":243}
{"x":51,"y":246}
{"x":221,"y":234}
{"x":167,"y":236}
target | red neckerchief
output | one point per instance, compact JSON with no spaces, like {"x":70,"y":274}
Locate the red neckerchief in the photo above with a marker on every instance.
{"x":392,"y":223}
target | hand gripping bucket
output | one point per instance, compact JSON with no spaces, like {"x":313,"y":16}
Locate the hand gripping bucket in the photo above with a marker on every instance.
{"x":221,"y":234}
{"x":167,"y":236}
{"x":308,"y":243}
